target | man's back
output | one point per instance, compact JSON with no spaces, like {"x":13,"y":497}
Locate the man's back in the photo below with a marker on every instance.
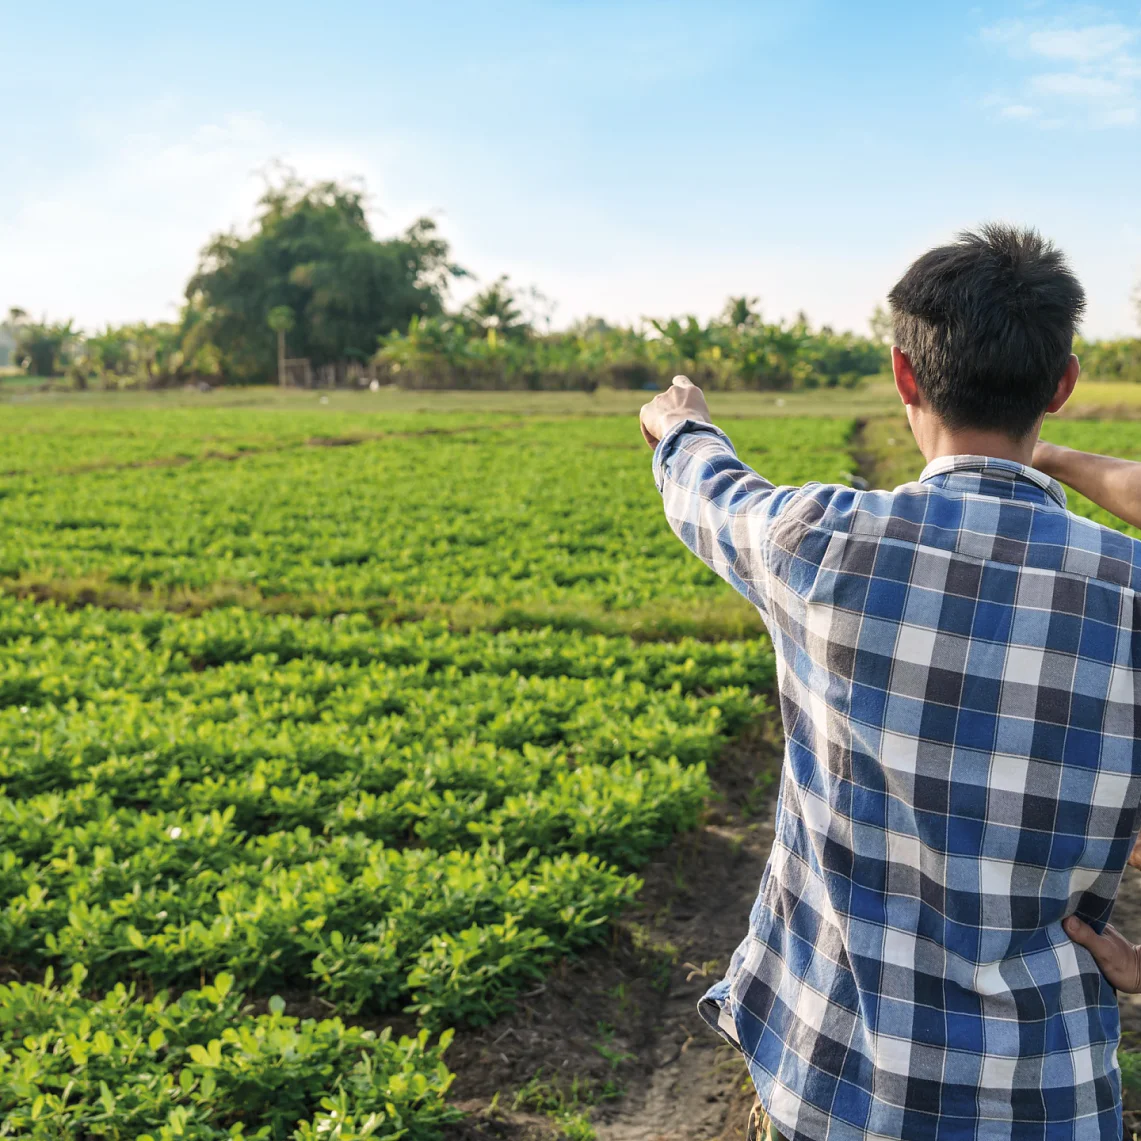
{"x":958,"y":689}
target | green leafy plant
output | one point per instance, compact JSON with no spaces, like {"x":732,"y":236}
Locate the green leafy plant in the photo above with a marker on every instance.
{"x":202,"y":1066}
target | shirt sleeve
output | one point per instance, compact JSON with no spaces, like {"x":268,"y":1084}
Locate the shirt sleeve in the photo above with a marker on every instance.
{"x":720,"y":509}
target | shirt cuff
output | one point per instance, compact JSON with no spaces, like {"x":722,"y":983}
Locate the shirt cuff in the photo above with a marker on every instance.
{"x":714,"y":1009}
{"x":666,"y":445}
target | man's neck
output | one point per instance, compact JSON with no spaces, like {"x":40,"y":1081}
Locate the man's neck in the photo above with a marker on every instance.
{"x":971,"y":442}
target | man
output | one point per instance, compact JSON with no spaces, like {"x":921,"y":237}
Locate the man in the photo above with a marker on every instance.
{"x":958,"y":686}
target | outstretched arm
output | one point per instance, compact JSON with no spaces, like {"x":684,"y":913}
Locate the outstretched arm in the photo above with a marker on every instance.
{"x":1111,"y":483}
{"x":719,"y":508}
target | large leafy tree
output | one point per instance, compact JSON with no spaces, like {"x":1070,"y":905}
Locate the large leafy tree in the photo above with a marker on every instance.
{"x":312,"y":251}
{"x":43,"y":347}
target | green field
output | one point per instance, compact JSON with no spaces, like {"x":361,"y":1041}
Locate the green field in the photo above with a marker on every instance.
{"x":381,"y":703}
{"x":472,"y":684}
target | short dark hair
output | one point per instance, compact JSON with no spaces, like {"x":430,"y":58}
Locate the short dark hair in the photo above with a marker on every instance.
{"x":988,"y":325}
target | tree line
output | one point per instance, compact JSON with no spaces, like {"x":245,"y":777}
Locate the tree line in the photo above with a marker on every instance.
{"x":311,"y":281}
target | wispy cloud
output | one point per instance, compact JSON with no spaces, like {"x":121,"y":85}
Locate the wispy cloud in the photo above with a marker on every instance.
{"x":1076,"y":69}
{"x":117,"y":240}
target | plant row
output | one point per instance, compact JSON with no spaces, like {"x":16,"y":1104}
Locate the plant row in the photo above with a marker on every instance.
{"x":49,"y":652}
{"x":205,"y":1067}
{"x":70,"y":439}
{"x":414,"y":817}
{"x":558,"y":514}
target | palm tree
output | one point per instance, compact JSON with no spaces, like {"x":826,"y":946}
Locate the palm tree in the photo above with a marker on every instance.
{"x":496,"y":307}
{"x":280,"y":320}
{"x":741,"y":311}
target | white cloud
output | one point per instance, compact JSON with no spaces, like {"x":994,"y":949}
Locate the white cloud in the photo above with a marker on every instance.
{"x":1017,"y":111}
{"x":1087,"y":45}
{"x":1120,"y":117}
{"x":1097,"y":85}
{"x":117,"y":239}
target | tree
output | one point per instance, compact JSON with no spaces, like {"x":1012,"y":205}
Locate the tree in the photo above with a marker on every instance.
{"x":312,"y":251}
{"x":741,"y":312}
{"x":590,"y":327}
{"x":44,"y":348}
{"x":880,"y":324}
{"x":281,"y":321}
{"x":496,"y":310}
{"x":688,"y":340}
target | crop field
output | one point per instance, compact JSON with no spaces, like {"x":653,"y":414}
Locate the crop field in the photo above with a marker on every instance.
{"x":421,"y":762}
{"x":383,"y":713}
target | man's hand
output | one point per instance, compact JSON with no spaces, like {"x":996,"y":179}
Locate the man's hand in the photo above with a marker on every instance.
{"x":683,"y":400}
{"x":1118,"y":959}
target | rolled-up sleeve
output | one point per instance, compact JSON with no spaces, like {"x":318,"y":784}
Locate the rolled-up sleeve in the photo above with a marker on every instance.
{"x":721,"y":509}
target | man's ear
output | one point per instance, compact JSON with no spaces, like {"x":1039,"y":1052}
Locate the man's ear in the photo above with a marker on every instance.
{"x":904,"y":377}
{"x":1066,"y":384}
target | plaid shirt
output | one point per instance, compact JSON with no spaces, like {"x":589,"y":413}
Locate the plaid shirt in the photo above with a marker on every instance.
{"x":957,"y":668}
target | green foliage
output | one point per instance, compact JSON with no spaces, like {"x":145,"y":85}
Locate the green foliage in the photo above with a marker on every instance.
{"x":495,"y":311}
{"x":281,"y":319}
{"x":312,"y":252}
{"x":567,"y":1104}
{"x":45,"y":348}
{"x":473,"y":975}
{"x":1130,"y":1062}
{"x":370,"y":809}
{"x":1110,"y":360}
{"x":311,"y":267}
{"x":204,"y":1067}
{"x":738,"y":351}
{"x":397,"y":818}
{"x":552,"y":513}
{"x":142,"y":355}
{"x":1107,"y":437}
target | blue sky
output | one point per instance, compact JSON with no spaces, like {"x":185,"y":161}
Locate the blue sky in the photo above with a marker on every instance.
{"x":626,"y":158}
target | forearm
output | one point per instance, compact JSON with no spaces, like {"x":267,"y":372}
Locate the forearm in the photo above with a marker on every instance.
{"x":1111,"y":483}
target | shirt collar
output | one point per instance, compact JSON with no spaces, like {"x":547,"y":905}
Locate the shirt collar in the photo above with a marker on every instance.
{"x":995,"y":468}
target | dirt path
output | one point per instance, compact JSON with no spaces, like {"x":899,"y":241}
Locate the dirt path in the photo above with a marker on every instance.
{"x":692,"y":1084}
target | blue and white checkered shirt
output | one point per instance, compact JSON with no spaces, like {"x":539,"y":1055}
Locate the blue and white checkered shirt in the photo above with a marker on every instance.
{"x":957,"y":663}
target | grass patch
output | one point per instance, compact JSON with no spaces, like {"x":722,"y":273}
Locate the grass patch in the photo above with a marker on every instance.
{"x":874,"y":397}
{"x":1130,"y":1063}
{"x":731,"y":618}
{"x":886,"y":453}
{"x":567,"y":1104}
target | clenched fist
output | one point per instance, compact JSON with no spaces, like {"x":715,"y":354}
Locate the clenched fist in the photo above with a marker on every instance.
{"x":683,"y":400}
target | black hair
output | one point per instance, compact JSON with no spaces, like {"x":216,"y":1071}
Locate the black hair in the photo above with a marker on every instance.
{"x":988,"y":325}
